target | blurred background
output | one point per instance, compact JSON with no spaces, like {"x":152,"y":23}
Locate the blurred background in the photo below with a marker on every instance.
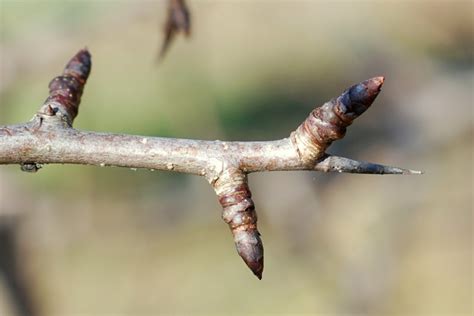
{"x":110,"y":241}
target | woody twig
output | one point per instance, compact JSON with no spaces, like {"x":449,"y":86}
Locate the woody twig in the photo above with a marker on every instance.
{"x":50,"y":138}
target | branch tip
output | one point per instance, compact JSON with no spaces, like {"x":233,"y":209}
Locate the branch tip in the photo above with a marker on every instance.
{"x":413,"y":172}
{"x":331,"y":163}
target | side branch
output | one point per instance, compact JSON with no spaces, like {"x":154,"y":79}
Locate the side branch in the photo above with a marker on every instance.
{"x":50,"y":138}
{"x":28,"y":144}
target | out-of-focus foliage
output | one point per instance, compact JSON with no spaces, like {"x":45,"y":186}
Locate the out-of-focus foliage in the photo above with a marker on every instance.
{"x":100,"y":241}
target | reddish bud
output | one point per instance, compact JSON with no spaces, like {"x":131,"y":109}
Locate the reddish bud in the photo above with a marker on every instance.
{"x":66,"y":90}
{"x":239,"y":213}
{"x":328,"y":122}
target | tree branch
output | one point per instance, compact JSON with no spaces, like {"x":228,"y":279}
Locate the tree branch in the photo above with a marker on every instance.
{"x":49,"y":138}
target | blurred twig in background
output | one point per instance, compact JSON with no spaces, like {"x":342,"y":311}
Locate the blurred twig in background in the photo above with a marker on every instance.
{"x":178,"y":20}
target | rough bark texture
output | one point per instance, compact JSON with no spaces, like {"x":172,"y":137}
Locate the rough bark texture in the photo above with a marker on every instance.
{"x":50,"y":138}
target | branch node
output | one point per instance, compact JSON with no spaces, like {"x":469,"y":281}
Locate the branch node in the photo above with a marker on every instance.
{"x":54,"y":113}
{"x":215,"y":169}
{"x":50,"y":111}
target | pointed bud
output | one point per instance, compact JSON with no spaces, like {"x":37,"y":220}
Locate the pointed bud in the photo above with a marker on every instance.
{"x":328,"y":122}
{"x":250,"y":248}
{"x":239,"y":213}
{"x":358,"y":98}
{"x":65,"y":91}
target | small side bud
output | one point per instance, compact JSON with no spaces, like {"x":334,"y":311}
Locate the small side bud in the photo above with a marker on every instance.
{"x":30,"y":167}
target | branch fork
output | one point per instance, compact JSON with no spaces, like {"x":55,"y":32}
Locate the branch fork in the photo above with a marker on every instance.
{"x":50,"y":138}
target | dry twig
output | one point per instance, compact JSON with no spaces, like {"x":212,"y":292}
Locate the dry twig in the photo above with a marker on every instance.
{"x":50,"y":138}
{"x":177,"y":20}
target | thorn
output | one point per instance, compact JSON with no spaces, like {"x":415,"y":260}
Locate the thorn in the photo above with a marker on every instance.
{"x":413,"y":172}
{"x":330,"y":163}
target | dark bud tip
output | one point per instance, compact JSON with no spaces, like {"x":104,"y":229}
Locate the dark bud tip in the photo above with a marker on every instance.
{"x":250,"y":248}
{"x":358,"y":98}
{"x":365,"y":92}
{"x":80,"y":65}
{"x":372,"y":88}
